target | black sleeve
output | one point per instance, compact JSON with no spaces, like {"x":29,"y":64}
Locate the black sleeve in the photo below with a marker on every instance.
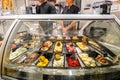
{"x":37,"y":9}
{"x":51,"y":10}
{"x":77,"y":10}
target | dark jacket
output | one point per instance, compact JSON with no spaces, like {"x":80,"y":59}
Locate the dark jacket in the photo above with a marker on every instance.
{"x":72,"y":10}
{"x":46,"y":8}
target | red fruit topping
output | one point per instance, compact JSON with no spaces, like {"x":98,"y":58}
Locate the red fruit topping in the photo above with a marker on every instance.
{"x":73,"y":63}
{"x":13,"y":46}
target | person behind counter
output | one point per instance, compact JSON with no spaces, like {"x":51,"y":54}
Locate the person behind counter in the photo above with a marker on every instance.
{"x":45,"y":8}
{"x":1,"y":43}
{"x":70,"y":9}
{"x":51,"y":2}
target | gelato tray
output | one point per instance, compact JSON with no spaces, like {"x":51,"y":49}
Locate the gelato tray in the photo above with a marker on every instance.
{"x":87,"y":60}
{"x":44,"y":60}
{"x":72,"y":61}
{"x":45,"y":45}
{"x":58,"y":47}
{"x":17,"y":53}
{"x":58,"y":60}
{"x":31,"y":57}
{"x":70,"y":47}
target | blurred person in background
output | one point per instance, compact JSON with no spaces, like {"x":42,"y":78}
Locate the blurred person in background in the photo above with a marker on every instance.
{"x":60,"y":4}
{"x":45,"y":8}
{"x":51,"y":2}
{"x":78,"y":3}
{"x":69,"y":9}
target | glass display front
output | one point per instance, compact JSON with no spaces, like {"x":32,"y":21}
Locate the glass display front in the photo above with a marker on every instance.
{"x":38,"y":48}
{"x":4,"y":26}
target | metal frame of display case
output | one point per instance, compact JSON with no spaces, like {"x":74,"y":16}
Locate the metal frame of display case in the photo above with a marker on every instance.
{"x":54,"y":71}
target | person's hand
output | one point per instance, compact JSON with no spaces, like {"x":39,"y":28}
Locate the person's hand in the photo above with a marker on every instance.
{"x":1,"y":43}
{"x":65,"y":31}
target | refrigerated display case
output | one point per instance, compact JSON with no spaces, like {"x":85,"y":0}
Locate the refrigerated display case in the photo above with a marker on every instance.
{"x":36,"y":48}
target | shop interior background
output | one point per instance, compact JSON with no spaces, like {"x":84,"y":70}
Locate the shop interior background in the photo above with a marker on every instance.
{"x":19,"y":6}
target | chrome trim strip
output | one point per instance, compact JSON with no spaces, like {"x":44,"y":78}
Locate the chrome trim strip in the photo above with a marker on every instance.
{"x":66,"y":16}
{"x":9,"y":17}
